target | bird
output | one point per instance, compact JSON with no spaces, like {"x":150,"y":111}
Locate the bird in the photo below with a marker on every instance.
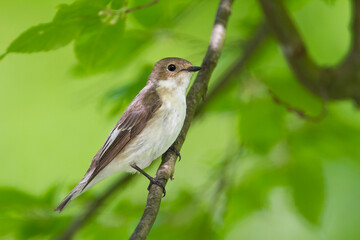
{"x":148,"y":127}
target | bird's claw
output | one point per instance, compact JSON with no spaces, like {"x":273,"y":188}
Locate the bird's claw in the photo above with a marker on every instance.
{"x":159,"y":183}
{"x":172,"y":148}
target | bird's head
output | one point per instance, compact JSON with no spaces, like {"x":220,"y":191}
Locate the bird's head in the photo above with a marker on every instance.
{"x":173,"y":72}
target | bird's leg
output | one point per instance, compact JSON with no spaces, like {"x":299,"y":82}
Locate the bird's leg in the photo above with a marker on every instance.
{"x":152,"y":180}
{"x":172,"y":148}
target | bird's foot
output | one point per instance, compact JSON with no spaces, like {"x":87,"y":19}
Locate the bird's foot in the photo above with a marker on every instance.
{"x":157,"y":182}
{"x":172,"y":148}
{"x":152,"y":180}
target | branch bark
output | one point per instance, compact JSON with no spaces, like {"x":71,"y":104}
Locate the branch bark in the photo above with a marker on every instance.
{"x":356,"y":27}
{"x":196,"y":93}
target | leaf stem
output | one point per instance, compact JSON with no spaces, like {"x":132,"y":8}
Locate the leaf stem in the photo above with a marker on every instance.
{"x":141,"y":6}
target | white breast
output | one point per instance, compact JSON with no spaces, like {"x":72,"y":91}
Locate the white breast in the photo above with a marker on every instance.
{"x":159,"y":134}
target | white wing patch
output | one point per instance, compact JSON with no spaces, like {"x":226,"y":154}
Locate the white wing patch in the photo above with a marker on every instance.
{"x":114,"y":133}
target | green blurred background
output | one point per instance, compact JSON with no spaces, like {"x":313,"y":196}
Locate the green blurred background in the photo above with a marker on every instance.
{"x":250,"y":169}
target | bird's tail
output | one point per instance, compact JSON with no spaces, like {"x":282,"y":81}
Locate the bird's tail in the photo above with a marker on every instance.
{"x":81,"y":187}
{"x":72,"y":195}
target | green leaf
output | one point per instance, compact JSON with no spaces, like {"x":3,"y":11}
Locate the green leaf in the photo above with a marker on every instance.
{"x":26,"y":215}
{"x":66,"y":25}
{"x":84,"y":12}
{"x":96,"y":46}
{"x":44,"y":37}
{"x":41,"y":225}
{"x":129,"y":46}
{"x":14,"y":200}
{"x":116,"y":4}
{"x":227,"y":99}
{"x":271,"y":68}
{"x":148,"y":16}
{"x":307,"y":181}
{"x":121,"y":97}
{"x":161,"y":14}
{"x":319,"y":138}
{"x":262,"y":124}
{"x":107,"y":49}
{"x":252,"y":193}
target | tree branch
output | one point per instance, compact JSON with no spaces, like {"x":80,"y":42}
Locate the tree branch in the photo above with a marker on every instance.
{"x":353,"y":58}
{"x":356,"y":27}
{"x":196,"y":93}
{"x":94,"y":206}
{"x":292,"y":45}
{"x":237,"y":67}
{"x":339,"y":82}
{"x":344,"y":80}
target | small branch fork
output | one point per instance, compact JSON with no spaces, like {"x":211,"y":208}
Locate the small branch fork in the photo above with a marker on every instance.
{"x":197,"y":91}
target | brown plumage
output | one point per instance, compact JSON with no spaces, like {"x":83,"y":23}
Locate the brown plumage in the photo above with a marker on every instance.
{"x":131,"y":123}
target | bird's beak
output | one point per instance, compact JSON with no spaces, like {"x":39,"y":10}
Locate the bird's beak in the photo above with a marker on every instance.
{"x":192,"y":69}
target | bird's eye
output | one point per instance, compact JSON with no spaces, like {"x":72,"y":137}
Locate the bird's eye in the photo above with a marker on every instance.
{"x":171,"y":67}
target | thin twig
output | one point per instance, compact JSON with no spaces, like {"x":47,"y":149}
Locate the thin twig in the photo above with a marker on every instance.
{"x":300,"y":112}
{"x":197,"y":91}
{"x":141,"y":6}
{"x":94,"y":206}
{"x":237,"y":67}
{"x":111,"y":12}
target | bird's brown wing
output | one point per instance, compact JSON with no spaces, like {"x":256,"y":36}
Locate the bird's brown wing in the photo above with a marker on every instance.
{"x":131,"y":123}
